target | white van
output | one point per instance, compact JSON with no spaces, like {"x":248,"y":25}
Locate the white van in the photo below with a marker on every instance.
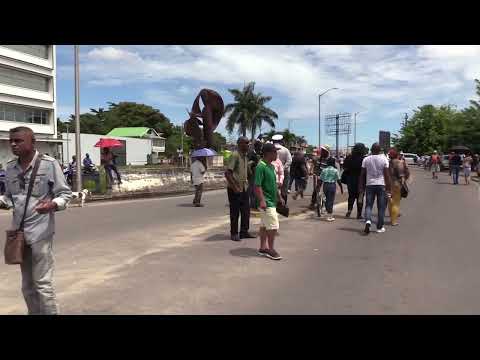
{"x":410,"y":159}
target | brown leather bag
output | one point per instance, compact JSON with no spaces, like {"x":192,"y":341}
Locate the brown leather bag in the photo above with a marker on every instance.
{"x":15,"y":243}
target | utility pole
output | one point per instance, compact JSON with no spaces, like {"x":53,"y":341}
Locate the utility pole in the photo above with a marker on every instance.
{"x":320,"y":117}
{"x":337,"y":128}
{"x":68,"y":143}
{"x":355,"y":128}
{"x":406,"y":119}
{"x":181,"y":135}
{"x":77,"y":121}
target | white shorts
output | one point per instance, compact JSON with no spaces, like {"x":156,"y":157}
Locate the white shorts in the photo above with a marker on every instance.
{"x":269,"y":219}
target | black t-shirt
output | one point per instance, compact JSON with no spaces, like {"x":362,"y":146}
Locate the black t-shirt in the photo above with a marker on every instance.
{"x":298,"y":167}
{"x":353,"y":165}
{"x":456,"y":160}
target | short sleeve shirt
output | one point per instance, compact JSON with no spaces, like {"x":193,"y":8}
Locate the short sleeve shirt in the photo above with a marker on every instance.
{"x":198,"y":170}
{"x":330,"y":175}
{"x":374,"y":166}
{"x":238,"y":164}
{"x":266,"y":179}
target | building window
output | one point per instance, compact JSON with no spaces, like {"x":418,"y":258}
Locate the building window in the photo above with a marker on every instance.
{"x":40,"y":51}
{"x":158,"y":142}
{"x":23,"y":79}
{"x":24,"y":114}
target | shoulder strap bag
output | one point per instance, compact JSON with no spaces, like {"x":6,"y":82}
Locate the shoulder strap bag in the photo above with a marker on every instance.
{"x":15,"y":243}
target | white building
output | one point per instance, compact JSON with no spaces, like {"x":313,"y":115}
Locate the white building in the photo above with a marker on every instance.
{"x":28,"y":96}
{"x":134,"y":152}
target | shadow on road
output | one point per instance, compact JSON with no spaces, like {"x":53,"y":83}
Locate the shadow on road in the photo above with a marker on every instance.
{"x":185,"y":205}
{"x":217,"y":237}
{"x":353,"y":230}
{"x":244,"y":252}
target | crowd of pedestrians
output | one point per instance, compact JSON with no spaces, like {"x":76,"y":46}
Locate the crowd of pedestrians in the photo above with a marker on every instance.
{"x":458,"y":164}
{"x":258,"y":175}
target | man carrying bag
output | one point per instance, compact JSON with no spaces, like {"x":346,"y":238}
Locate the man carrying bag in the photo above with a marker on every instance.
{"x":35,"y":189}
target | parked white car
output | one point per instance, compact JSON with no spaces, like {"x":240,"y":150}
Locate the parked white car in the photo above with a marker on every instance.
{"x":410,"y":159}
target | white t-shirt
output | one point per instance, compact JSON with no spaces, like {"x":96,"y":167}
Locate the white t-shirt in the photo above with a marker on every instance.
{"x":197,"y":170}
{"x":374,"y":165}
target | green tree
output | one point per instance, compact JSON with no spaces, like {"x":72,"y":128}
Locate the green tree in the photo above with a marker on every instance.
{"x":289,"y":138}
{"x":131,"y":114}
{"x":61,"y":126}
{"x":249,"y":112}
{"x":219,"y":142}
{"x":174,"y":142}
{"x":440,"y":128}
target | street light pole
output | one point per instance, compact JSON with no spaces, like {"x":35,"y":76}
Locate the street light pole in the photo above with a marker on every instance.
{"x":68,"y":143}
{"x":355,"y":127}
{"x":77,"y":121}
{"x":181,"y":136}
{"x":320,"y":117}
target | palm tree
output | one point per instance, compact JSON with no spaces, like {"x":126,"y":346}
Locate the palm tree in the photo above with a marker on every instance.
{"x":248,"y":112}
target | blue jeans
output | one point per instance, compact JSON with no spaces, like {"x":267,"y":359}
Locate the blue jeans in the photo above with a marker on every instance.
{"x":329,"y":189}
{"x":377,"y":191}
{"x":455,"y":173}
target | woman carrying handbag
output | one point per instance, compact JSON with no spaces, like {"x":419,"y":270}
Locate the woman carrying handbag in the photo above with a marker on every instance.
{"x":399,"y":174}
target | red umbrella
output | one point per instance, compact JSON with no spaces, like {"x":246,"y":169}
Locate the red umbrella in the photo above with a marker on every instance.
{"x":108,"y":143}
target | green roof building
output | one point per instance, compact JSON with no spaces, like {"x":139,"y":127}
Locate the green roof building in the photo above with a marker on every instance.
{"x":158,"y":142}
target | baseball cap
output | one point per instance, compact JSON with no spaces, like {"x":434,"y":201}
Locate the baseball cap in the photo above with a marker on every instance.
{"x":277,"y":137}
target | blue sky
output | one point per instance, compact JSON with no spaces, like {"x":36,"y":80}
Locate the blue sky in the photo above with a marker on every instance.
{"x":382,"y":82}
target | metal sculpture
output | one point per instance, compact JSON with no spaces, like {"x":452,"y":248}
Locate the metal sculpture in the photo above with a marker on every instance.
{"x":202,"y":123}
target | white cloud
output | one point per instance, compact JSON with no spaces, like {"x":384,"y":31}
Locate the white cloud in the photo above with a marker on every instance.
{"x":162,"y":97}
{"x":372,"y":77}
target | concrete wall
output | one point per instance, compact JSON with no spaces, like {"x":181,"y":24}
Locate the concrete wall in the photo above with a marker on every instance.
{"x":165,"y":181}
{"x":136,"y":149}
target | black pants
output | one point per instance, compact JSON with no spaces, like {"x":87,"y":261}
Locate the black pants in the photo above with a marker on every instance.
{"x":354,"y":195}
{"x":329,"y":189}
{"x":251,"y":194}
{"x":109,"y":169}
{"x":239,"y":206}
{"x":198,"y":194}
{"x":314,"y":193}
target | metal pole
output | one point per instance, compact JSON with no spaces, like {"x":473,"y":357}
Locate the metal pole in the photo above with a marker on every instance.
{"x":320,"y":118}
{"x":78,"y":152}
{"x":319,"y":125}
{"x":355,"y":128}
{"x":68,"y":143}
{"x":336,"y":136}
{"x":181,"y":135}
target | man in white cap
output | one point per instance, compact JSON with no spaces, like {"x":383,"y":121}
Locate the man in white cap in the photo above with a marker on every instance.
{"x":286,"y":159}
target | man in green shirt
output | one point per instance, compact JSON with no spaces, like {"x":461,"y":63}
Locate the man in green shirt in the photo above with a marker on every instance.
{"x":237,"y":174}
{"x":268,"y":195}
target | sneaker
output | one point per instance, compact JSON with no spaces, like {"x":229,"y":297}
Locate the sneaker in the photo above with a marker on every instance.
{"x":247,"y":236}
{"x":367,"y":227}
{"x":348,"y":214}
{"x":331,"y":218}
{"x":382,"y":230}
{"x":273,"y":254}
{"x":289,"y":191}
{"x":262,"y":252}
{"x":235,"y":237}
{"x":198,"y":205}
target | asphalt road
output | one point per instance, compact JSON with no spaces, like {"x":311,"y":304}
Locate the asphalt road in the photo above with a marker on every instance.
{"x":161,"y":256}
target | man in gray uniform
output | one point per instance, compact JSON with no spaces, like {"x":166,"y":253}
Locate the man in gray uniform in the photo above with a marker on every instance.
{"x":50,"y":193}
